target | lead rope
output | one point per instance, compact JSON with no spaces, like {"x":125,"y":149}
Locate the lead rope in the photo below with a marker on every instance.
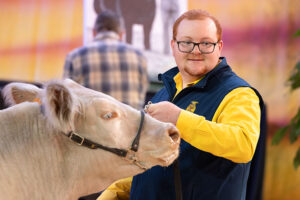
{"x":177,"y":180}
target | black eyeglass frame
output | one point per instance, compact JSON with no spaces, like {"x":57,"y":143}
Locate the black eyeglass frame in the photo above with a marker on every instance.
{"x":197,"y":44}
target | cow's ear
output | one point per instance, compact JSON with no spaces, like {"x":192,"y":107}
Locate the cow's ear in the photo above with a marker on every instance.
{"x":15,"y":93}
{"x":59,"y":106}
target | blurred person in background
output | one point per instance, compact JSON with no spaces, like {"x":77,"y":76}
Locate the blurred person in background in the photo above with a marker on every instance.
{"x":109,"y":65}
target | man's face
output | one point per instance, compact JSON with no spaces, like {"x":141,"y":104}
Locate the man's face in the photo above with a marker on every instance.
{"x":195,"y":64}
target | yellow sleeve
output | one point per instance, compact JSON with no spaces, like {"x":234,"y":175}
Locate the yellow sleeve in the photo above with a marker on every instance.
{"x":234,"y":130}
{"x":119,"y":190}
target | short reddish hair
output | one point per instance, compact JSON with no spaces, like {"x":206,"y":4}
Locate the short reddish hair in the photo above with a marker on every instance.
{"x":194,"y":15}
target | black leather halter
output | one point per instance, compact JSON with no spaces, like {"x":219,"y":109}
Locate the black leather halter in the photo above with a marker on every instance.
{"x":120,"y":152}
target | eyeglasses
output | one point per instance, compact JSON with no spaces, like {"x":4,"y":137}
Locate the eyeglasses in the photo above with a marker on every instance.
{"x":204,"y":47}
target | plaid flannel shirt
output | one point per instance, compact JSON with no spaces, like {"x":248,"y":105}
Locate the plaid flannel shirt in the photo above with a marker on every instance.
{"x":110,"y":66}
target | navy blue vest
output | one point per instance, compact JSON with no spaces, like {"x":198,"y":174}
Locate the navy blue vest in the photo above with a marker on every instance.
{"x":203,"y":175}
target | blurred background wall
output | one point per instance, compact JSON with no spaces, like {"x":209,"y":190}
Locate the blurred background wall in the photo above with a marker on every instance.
{"x":36,"y":35}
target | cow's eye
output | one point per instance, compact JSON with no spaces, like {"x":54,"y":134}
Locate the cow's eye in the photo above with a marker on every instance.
{"x":109,"y":115}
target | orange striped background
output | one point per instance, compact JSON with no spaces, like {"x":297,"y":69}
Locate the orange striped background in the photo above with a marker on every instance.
{"x":36,"y":35}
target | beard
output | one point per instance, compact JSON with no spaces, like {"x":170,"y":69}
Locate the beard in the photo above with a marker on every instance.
{"x":196,"y":71}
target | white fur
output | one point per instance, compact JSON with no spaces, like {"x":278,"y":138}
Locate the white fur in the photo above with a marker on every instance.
{"x":37,"y":160}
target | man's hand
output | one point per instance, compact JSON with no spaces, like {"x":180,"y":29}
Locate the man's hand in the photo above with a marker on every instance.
{"x":164,"y":111}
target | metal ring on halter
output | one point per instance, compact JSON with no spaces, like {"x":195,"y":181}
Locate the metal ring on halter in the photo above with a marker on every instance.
{"x":147,"y":106}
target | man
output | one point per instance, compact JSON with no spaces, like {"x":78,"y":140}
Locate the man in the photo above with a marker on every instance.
{"x":109,"y":65}
{"x":217,"y":113}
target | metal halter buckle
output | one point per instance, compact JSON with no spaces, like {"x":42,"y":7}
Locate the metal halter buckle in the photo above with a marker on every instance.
{"x":75,"y":137}
{"x":147,"y":106}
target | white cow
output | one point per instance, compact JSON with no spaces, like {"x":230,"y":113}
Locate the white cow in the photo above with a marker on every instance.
{"x":39,"y":161}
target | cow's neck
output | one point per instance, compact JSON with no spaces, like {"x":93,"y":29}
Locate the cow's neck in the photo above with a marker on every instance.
{"x":31,"y":156}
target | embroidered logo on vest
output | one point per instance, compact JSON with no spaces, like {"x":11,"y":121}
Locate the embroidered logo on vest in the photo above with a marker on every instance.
{"x":192,"y":106}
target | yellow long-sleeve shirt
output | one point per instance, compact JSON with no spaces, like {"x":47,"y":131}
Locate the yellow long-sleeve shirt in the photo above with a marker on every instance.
{"x":233,"y":132}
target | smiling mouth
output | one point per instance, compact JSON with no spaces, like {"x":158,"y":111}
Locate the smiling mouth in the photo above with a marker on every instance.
{"x":194,"y":59}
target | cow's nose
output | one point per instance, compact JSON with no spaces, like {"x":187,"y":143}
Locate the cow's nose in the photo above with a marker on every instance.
{"x":174,"y":134}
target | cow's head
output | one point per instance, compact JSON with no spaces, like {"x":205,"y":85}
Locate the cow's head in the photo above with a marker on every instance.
{"x":69,"y":106}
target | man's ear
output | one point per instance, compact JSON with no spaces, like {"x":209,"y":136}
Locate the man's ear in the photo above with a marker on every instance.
{"x":121,"y":35}
{"x":220,"y":45}
{"x":173,"y":43}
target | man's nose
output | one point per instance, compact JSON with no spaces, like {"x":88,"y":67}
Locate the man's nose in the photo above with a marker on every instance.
{"x":196,"y":50}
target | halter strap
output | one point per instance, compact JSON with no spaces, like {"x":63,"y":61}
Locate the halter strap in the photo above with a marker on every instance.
{"x":93,"y":145}
{"x":136,"y":141}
